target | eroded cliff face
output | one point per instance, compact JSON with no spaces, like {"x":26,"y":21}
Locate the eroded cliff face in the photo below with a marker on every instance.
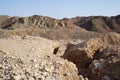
{"x":96,"y":57}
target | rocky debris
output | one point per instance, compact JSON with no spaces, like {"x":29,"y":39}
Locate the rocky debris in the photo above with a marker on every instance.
{"x":96,"y":57}
{"x":106,"y":64}
{"x":27,"y":47}
{"x":32,"y":58}
{"x":45,"y":68}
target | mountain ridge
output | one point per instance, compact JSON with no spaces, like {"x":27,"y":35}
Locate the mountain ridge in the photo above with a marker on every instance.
{"x":101,"y":24}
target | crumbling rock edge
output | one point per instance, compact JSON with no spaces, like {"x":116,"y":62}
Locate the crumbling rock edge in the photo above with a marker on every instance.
{"x":97,"y":58}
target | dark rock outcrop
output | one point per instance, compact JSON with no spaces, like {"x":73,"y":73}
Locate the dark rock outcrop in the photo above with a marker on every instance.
{"x":97,"y":57}
{"x":106,"y":64}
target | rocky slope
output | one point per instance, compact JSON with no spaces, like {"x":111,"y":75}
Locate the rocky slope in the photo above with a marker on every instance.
{"x":32,"y":58}
{"x":45,"y":68}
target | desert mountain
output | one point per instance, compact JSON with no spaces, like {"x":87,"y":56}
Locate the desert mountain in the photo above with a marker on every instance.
{"x":32,"y":21}
{"x":100,"y":24}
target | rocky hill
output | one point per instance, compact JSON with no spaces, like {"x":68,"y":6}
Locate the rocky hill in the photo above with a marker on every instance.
{"x":32,"y":21}
{"x":100,"y":24}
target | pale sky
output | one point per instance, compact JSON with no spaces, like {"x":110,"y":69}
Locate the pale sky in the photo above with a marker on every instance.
{"x":60,"y":8}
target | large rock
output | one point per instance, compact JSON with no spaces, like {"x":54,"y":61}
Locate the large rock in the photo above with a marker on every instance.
{"x":79,"y":57}
{"x":95,"y":55}
{"x":106,"y":64}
